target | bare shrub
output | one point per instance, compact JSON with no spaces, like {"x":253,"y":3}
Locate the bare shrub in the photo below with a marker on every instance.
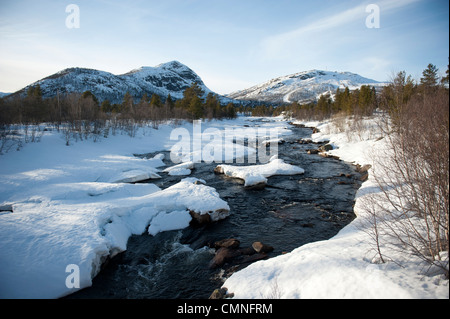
{"x":275,"y":291}
{"x":411,"y":210}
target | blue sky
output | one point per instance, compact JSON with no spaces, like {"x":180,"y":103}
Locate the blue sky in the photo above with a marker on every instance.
{"x":231,"y":44}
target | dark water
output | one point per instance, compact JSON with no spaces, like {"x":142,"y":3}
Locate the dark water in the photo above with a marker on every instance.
{"x":290,"y":212}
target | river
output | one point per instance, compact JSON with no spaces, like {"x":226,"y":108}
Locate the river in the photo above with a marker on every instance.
{"x":289,"y":212}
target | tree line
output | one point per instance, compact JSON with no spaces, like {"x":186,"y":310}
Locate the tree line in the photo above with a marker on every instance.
{"x":360,"y":102}
{"x":81,"y":115}
{"x":34,"y":109}
{"x":410,"y":213}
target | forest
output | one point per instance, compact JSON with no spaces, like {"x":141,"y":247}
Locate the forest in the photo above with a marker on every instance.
{"x":81,"y":115}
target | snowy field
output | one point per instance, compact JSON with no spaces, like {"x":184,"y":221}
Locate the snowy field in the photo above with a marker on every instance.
{"x":74,"y":205}
{"x":346,"y":266}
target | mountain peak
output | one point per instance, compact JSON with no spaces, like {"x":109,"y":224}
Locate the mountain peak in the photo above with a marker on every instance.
{"x":172,"y":65}
{"x":302,"y":87}
{"x":168,"y":78}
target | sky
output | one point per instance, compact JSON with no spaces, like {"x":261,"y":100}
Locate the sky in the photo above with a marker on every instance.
{"x":232,"y":45}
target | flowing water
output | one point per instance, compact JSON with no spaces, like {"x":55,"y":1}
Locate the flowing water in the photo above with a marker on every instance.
{"x":290,"y":212}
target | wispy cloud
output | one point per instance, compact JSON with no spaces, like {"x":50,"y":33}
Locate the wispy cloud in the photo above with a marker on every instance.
{"x":273,"y":45}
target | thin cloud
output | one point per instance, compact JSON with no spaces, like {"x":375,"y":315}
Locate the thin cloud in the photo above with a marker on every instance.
{"x":274,"y":45}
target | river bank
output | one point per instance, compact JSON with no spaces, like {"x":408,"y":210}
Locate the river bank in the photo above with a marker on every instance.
{"x":346,"y":266}
{"x":287,"y":212}
{"x":66,"y":208}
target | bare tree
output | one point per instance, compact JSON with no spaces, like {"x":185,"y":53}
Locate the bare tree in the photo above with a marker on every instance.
{"x":410,"y":213}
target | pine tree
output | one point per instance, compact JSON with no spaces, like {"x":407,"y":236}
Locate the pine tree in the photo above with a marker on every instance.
{"x":156,"y":100}
{"x":195,"y":107}
{"x":324,"y":105}
{"x":127,"y":103}
{"x":430,"y":76}
{"x":145,"y":99}
{"x":399,"y":92}
{"x":347,"y":101}
{"x":366,"y":100}
{"x":193,"y":90}
{"x":106,"y":106}
{"x":90,"y":95}
{"x":231,"y":111}
{"x":34,"y":109}
{"x":169,"y":102}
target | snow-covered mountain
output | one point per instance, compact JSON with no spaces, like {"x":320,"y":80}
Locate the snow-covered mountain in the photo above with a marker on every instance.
{"x":302,"y":87}
{"x":167,"y":78}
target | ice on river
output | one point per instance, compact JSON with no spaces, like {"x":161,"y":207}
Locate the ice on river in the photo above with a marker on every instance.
{"x":258,"y":174}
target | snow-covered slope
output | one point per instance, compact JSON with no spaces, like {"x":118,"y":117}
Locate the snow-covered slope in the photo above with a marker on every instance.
{"x":302,"y":87}
{"x":167,"y":78}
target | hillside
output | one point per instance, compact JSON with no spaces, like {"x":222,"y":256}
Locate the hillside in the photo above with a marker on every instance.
{"x":302,"y":87}
{"x":164,"y":79}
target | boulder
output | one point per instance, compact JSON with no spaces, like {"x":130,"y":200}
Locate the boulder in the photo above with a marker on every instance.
{"x":209,"y":217}
{"x":218,"y":215}
{"x":218,"y":170}
{"x":200,"y":219}
{"x":326,"y":148}
{"x":227,"y":243}
{"x":221,"y":293}
{"x":259,"y":247}
{"x":228,"y":251}
{"x":363,"y":169}
{"x":364,"y":177}
{"x":247,"y":259}
{"x":247,"y":251}
{"x":222,"y":256}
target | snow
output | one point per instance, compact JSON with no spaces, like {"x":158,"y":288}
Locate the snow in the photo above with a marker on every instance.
{"x":257,"y":174}
{"x":303,"y":87}
{"x":180,"y":169}
{"x":76,"y":205}
{"x":168,"y":78}
{"x":344,"y":267}
{"x":172,"y":221}
{"x":134,"y":175}
{"x":71,"y":206}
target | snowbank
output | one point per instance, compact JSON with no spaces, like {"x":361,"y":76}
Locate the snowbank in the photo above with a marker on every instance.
{"x":41,"y":237}
{"x":344,"y":266}
{"x":180,"y":169}
{"x":75,"y":206}
{"x":257,"y":174}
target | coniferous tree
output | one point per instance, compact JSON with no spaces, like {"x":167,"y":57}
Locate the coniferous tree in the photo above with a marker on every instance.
{"x":398,"y":92}
{"x":169,"y":102}
{"x":230,"y":111}
{"x":347,"y":101}
{"x":156,"y":100}
{"x":90,"y":95}
{"x":127,"y":104}
{"x":430,"y":76}
{"x":106,"y":106}
{"x":34,"y":108}
{"x":324,"y":105}
{"x":195,"y":107}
